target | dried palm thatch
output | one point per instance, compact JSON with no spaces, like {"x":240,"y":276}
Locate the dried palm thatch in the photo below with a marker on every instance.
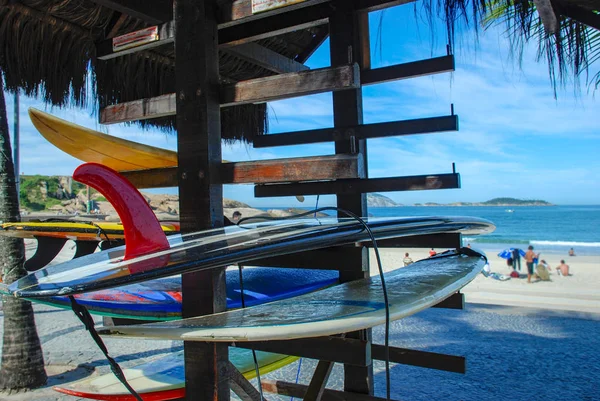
{"x":569,"y":46}
{"x":47,"y":49}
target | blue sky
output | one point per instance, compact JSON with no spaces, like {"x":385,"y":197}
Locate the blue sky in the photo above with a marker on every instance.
{"x":515,"y":138}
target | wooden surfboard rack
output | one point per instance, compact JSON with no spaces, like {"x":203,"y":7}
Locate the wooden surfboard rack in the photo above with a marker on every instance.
{"x":232,"y":27}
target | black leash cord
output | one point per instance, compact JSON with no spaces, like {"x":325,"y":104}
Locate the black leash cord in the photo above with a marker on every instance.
{"x":82,"y":313}
{"x":379,"y":265}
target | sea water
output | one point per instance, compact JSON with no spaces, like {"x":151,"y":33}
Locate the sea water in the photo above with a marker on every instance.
{"x":550,"y":229}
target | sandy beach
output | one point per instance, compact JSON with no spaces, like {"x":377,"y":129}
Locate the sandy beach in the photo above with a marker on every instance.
{"x":520,"y":340}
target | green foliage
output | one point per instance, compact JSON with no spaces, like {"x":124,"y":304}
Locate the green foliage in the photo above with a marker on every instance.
{"x":30,"y":192}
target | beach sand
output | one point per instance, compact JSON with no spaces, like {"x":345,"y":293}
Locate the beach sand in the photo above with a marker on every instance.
{"x":520,"y":340}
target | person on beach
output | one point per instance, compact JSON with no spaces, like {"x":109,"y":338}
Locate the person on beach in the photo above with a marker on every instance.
{"x":529,"y":257}
{"x":563,"y":269}
{"x":432,"y":253}
{"x":543,"y":271}
{"x":516,"y":257}
{"x":407,"y":259}
{"x":571,"y":252}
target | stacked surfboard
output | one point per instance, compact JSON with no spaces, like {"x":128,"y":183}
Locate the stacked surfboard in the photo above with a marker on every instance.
{"x":316,"y":305}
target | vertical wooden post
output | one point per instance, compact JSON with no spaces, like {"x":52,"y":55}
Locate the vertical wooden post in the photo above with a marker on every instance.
{"x":200,"y":197}
{"x":348,"y":45}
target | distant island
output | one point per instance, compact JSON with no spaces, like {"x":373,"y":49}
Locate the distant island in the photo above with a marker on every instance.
{"x":494,"y":202}
{"x":377,"y":200}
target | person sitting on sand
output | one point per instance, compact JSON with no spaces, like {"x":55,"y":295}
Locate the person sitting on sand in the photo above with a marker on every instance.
{"x":529,"y":256}
{"x":407,"y":259}
{"x":571,"y":252}
{"x":543,"y":271}
{"x":562,"y":269}
{"x":432,"y":253}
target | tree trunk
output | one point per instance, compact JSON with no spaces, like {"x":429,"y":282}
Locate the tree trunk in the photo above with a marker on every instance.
{"x":22,"y":365}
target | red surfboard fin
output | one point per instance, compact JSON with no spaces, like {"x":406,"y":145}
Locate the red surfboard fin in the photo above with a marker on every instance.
{"x":143,"y":232}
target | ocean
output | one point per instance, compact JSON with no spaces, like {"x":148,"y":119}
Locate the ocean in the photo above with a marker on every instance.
{"x":550,"y":229}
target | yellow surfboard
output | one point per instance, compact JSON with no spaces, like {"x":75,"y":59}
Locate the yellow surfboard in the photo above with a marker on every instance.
{"x":86,"y":231}
{"x":92,"y":146}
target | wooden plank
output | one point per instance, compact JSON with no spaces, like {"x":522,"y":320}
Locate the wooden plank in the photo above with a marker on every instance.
{"x":444,"y":241}
{"x":291,"y":85}
{"x":358,"y":185}
{"x":200,"y":194}
{"x":260,"y":6}
{"x":154,"y":107}
{"x":423,"y":359}
{"x":260,"y":171}
{"x":153,"y":178}
{"x":332,"y":349}
{"x":242,"y":387}
{"x":298,"y":391}
{"x":250,"y":91}
{"x":336,"y":258}
{"x":315,"y":389}
{"x":152,"y":12}
{"x":364,"y":131}
{"x":376,"y":5}
{"x":166,"y":35}
{"x":291,"y":169}
{"x":408,"y":70}
{"x":289,"y":19}
{"x":454,"y":301}
{"x":240,"y":11}
{"x":266,"y":58}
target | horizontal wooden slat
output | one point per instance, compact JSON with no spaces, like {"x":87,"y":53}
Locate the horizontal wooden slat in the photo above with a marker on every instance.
{"x":336,"y":258}
{"x":299,"y":390}
{"x":250,"y":91}
{"x":333,"y":349}
{"x":291,"y":85}
{"x":166,"y":34}
{"x":153,"y":178}
{"x":292,"y":169}
{"x":423,"y":359}
{"x":259,"y":171}
{"x":443,"y":241}
{"x":359,"y":185}
{"x":408,"y":70}
{"x":454,"y":301}
{"x":240,"y":11}
{"x":365,"y":131}
{"x":153,"y":107}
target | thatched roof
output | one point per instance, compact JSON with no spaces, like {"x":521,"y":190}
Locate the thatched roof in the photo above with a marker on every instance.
{"x":567,"y":31}
{"x":46,"y":47}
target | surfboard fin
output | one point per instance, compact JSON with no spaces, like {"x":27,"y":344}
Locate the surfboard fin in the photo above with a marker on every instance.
{"x":143,"y":232}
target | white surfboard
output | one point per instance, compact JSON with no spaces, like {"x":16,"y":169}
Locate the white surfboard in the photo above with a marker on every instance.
{"x":343,"y":308}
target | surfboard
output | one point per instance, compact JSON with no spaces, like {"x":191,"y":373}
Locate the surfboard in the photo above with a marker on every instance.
{"x":74,"y":230}
{"x":164,"y":378}
{"x":342,"y":308}
{"x":93,"y":146}
{"x":161,"y":299}
{"x":226,"y":246}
